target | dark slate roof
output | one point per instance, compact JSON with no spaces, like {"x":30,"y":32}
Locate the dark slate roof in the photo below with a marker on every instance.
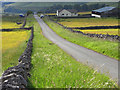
{"x":70,"y":10}
{"x":104,"y":9}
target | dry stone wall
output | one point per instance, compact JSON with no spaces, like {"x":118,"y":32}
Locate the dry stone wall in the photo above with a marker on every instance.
{"x":14,"y":29}
{"x":104,"y":36}
{"x":95,"y":27}
{"x":24,"y":23}
{"x":16,"y":77}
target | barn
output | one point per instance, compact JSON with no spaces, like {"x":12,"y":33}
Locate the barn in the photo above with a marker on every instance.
{"x":103,"y":12}
{"x":66,"y":13}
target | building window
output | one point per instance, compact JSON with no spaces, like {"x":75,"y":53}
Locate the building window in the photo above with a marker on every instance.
{"x":66,"y":14}
{"x":62,"y":14}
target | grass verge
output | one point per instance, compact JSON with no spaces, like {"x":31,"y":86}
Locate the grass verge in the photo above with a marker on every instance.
{"x":53,"y":68}
{"x":104,"y":47}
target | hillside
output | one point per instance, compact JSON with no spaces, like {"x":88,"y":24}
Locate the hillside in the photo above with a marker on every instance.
{"x":6,"y":3}
{"x":41,"y":4}
{"x":22,"y":7}
{"x":49,"y":7}
{"x":114,"y":4}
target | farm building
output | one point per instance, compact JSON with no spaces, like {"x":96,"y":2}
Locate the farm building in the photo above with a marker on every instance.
{"x":66,"y":13}
{"x":41,"y":16}
{"x":104,"y":12}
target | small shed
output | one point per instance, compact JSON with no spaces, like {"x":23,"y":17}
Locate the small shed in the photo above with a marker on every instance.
{"x":41,"y":16}
{"x":66,"y":13}
{"x":103,"y":12}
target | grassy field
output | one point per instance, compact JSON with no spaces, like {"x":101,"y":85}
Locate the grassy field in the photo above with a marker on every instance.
{"x":8,"y":25}
{"x":50,"y":14}
{"x":82,"y":13}
{"x":101,"y":31}
{"x":10,"y":22}
{"x":53,"y":68}
{"x":87,"y":22}
{"x":105,"y":47}
{"x":13,"y":45}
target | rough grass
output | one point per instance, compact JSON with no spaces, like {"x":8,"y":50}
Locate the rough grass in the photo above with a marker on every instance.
{"x":87,"y":22}
{"x":101,"y":31}
{"x":13,"y":45}
{"x":104,"y":47}
{"x":53,"y":68}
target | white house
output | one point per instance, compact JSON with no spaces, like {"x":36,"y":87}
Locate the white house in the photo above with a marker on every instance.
{"x":66,"y":13}
{"x":103,"y":12}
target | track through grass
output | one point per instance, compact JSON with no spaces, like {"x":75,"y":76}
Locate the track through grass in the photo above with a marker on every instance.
{"x":109,"y":48}
{"x":53,"y":68}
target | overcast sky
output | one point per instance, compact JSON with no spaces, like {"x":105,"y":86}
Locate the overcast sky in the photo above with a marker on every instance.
{"x":60,"y":0}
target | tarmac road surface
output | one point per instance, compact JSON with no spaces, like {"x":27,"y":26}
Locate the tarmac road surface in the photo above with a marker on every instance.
{"x":98,"y":61}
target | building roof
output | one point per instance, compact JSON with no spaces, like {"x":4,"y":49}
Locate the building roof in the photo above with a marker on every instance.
{"x":104,"y":9}
{"x":70,"y":10}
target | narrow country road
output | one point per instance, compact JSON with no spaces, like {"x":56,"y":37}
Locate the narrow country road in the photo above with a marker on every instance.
{"x":100,"y":62}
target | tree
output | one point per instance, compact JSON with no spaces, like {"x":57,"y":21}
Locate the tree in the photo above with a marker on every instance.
{"x":76,"y":7}
{"x":68,"y":6}
{"x":84,"y":7}
{"x":58,"y":7}
{"x":29,"y":12}
{"x":39,"y":12}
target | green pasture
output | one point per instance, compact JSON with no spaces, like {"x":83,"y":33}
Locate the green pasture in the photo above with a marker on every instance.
{"x":82,"y":13}
{"x":13,"y":43}
{"x":100,"y":31}
{"x":86,"y":22}
{"x":11,"y":22}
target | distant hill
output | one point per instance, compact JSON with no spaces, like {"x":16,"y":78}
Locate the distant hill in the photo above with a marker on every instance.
{"x":41,"y":4}
{"x":23,"y":7}
{"x":6,"y":3}
{"x":113,"y":4}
